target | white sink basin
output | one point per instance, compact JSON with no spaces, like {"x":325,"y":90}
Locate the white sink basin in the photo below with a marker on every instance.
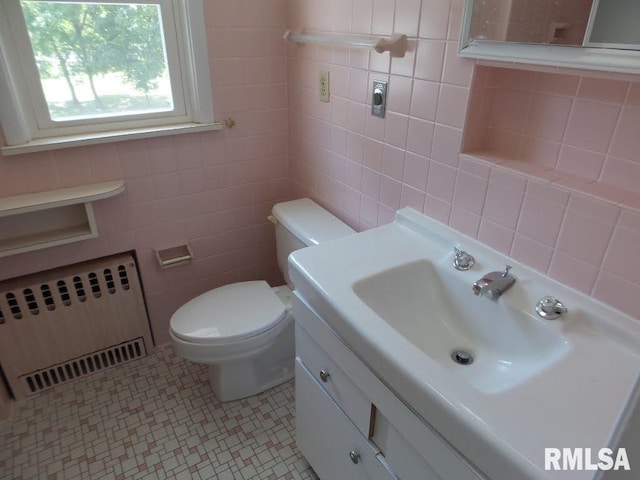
{"x":440,"y":315}
{"x":394,"y":298}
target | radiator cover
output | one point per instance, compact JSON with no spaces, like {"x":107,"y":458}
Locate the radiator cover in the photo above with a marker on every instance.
{"x":68,"y":318}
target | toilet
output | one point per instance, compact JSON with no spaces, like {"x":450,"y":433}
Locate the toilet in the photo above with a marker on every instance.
{"x":244,"y":331}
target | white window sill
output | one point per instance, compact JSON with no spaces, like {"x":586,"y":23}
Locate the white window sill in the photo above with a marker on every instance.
{"x":55,"y":143}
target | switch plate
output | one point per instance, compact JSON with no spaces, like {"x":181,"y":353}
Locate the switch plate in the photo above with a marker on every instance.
{"x":379,"y":99}
{"x":325,"y":90}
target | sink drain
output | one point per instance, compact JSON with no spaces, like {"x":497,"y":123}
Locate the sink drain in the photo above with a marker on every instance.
{"x":462,"y":357}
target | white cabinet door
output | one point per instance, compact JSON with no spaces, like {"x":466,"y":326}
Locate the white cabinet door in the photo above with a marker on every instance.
{"x":328,"y":439}
{"x":334,"y":381}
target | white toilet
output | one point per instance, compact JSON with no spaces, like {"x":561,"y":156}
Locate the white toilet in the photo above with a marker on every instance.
{"x":244,"y":331}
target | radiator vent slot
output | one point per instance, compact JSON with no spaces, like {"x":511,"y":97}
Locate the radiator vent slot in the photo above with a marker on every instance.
{"x":47,"y":297}
{"x":62,"y":324}
{"x":82,"y":366}
{"x":13,"y":306}
{"x":108,"y":277}
{"x":124,"y":279}
{"x":79,"y":289}
{"x":64,"y":293}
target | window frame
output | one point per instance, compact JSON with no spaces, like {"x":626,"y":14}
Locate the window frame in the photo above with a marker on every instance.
{"x":24,"y":115}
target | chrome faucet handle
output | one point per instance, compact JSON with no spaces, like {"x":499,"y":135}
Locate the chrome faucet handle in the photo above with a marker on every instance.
{"x":463,"y":260}
{"x":507,"y":268}
{"x":550,"y":308}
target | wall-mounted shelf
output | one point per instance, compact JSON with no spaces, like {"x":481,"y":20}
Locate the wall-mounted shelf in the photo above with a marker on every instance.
{"x":396,"y":45}
{"x":46,"y":219}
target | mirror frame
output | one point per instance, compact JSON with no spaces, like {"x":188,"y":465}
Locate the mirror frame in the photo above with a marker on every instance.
{"x":563,"y":56}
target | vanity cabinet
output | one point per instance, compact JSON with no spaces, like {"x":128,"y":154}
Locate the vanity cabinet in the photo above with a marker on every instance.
{"x":329,"y":440}
{"x":350,"y":425}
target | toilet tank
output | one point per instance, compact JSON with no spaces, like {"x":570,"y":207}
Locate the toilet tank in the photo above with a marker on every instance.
{"x":303,"y":223}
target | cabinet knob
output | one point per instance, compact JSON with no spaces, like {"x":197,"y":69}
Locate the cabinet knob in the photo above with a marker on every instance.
{"x":354,"y":456}
{"x":324,"y":376}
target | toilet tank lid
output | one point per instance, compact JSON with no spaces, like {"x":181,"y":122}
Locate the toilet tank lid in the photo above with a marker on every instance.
{"x":308,"y":221}
{"x":235,"y":311}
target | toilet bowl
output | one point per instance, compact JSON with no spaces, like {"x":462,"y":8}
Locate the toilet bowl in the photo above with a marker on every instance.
{"x":244,"y":331}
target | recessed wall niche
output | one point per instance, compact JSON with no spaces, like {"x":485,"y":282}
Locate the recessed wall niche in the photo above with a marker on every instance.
{"x":577,"y":131}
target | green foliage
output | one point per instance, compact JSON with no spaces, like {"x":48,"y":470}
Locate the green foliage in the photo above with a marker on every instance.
{"x":93,"y":38}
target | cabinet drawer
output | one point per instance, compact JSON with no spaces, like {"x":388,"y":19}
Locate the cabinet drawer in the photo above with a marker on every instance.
{"x":326,"y":437}
{"x":334,"y":381}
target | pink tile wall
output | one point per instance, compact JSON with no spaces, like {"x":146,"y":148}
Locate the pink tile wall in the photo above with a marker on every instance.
{"x":363,"y":168}
{"x":211,"y":189}
{"x":578,"y":125}
{"x":385,"y":162}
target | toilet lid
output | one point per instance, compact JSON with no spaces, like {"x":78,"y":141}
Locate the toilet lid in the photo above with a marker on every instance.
{"x":235,"y":311}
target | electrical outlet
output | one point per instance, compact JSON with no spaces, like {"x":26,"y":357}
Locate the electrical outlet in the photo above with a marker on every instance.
{"x":324,"y":86}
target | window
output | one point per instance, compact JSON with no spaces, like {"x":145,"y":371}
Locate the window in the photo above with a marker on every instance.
{"x":87,"y":70}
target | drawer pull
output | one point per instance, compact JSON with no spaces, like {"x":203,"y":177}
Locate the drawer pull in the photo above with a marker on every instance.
{"x":324,"y":376}
{"x":354,"y":456}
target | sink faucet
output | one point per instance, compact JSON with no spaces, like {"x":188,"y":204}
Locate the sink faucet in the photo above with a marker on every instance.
{"x":494,"y":284}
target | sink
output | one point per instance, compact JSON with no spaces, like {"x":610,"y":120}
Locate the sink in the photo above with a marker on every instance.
{"x":393,"y":297}
{"x":440,"y":315}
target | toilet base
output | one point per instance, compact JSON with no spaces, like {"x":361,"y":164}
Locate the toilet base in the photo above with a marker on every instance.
{"x":250,"y":376}
{"x":226,"y":386}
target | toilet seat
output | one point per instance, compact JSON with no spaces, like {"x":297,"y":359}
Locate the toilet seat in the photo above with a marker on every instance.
{"x":228,"y":314}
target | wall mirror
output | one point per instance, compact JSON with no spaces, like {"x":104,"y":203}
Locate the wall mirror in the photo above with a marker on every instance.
{"x":590,"y":34}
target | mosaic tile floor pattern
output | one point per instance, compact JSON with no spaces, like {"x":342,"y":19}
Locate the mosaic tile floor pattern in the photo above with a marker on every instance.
{"x":155,"y":418}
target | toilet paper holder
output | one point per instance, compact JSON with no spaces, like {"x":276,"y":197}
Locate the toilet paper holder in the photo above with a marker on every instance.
{"x":174,"y":256}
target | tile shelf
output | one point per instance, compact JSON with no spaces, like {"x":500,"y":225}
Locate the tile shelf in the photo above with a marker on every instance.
{"x":45,"y":219}
{"x":561,"y":179}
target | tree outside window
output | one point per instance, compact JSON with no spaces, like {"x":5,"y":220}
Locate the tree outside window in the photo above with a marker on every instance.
{"x":99,"y":59}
